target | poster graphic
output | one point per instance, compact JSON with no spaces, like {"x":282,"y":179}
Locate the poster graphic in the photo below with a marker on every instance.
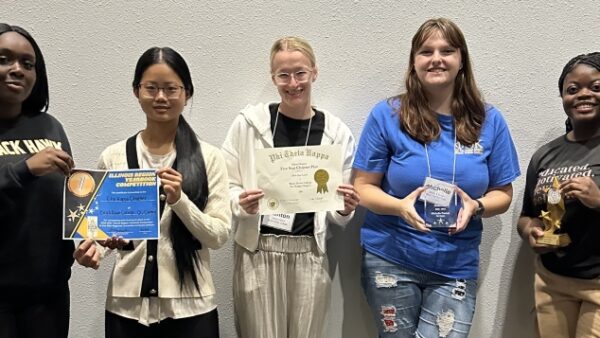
{"x":99,"y":204}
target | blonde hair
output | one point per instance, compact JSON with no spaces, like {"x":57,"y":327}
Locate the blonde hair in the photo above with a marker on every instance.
{"x":293,"y":43}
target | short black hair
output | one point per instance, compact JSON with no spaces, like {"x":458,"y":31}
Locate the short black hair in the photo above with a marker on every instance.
{"x":38,"y":100}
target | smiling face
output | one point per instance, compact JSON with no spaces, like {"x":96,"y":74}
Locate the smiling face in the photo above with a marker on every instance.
{"x":295,"y":96}
{"x":160,"y":105}
{"x":581,"y":96}
{"x":437,"y":63}
{"x":17,"y":69}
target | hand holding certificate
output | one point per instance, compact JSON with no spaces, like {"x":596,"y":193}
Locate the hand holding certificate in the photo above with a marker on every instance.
{"x":100,"y":204}
{"x":299,"y":179}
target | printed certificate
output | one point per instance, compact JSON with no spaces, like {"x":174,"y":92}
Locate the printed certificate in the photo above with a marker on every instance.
{"x":299,"y":179}
{"x":98,"y":204}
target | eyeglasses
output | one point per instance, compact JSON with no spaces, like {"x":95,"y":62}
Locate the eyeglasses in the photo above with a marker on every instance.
{"x":301,"y":76}
{"x":150,"y":90}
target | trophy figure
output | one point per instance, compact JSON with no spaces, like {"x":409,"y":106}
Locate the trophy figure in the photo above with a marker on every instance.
{"x":552,"y":218}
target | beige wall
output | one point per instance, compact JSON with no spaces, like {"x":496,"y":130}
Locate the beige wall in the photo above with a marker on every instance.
{"x":518,"y":49}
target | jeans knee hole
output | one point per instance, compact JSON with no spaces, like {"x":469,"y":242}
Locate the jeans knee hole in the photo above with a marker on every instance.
{"x":460,"y":290}
{"x":385,"y":281}
{"x":445,"y":322}
{"x":388,"y":313}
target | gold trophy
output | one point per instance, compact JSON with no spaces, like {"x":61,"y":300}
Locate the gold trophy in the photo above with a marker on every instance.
{"x":552,"y":218}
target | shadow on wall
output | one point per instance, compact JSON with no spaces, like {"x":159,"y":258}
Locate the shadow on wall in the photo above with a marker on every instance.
{"x":519,"y":317}
{"x":349,"y":312}
{"x":492,"y":232}
{"x":515,"y":297}
{"x":518,"y":320}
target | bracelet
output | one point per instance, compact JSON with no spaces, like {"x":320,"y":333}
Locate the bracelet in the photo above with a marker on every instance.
{"x":479,"y":211}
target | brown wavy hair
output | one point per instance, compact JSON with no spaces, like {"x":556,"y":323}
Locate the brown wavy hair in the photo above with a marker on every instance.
{"x":467,"y":107}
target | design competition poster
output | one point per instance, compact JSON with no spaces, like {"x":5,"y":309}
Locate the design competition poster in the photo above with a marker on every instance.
{"x":99,"y":204}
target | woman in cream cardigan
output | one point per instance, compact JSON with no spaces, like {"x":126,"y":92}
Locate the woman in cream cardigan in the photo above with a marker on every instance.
{"x":163,"y":288}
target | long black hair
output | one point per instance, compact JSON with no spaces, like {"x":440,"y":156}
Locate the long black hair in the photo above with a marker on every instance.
{"x":590,"y":59}
{"x":190,"y":162}
{"x":38,"y":100}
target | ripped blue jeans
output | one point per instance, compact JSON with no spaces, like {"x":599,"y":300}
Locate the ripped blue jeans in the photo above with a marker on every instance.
{"x":413,"y":303}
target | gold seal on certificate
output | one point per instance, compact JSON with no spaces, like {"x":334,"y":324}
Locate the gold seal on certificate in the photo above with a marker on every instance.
{"x":273,"y":204}
{"x":81,"y":183}
{"x":299,"y":179}
{"x":321,"y":177}
{"x":552,"y":217}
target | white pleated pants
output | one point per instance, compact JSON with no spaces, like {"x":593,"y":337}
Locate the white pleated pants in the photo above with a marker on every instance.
{"x":282,"y":289}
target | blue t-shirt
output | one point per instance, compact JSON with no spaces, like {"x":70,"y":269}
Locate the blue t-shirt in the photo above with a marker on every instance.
{"x":384,"y":148}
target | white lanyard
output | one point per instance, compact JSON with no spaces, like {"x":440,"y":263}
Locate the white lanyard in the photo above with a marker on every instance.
{"x":283,"y":222}
{"x":453,"y":159}
{"x":307,"y":133}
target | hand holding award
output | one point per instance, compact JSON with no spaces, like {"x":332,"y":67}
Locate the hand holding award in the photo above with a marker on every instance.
{"x":552,"y":218}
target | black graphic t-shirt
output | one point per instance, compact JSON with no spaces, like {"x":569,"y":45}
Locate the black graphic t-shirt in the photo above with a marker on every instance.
{"x":34,"y":259}
{"x":565,"y":159}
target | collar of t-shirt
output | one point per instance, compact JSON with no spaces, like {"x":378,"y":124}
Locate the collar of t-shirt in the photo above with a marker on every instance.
{"x":292,"y":132}
{"x":148,"y":160}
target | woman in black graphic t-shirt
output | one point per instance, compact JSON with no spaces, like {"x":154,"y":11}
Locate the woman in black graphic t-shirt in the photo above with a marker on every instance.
{"x":567,"y":283}
{"x":35,"y":263}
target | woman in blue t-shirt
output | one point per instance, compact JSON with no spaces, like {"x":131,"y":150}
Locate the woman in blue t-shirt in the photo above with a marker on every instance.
{"x":421,"y":245}
{"x":567,"y":275}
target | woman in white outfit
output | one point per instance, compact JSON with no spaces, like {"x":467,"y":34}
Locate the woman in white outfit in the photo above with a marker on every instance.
{"x":281,"y":284}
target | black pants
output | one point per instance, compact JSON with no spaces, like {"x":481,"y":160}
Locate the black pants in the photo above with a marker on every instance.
{"x":34,"y":317}
{"x":202,"y":326}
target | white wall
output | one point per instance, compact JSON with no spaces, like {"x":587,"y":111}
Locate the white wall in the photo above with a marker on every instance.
{"x":518,"y":50}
